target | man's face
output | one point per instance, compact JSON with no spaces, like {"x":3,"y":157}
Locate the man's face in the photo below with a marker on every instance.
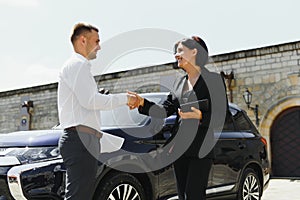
{"x":92,"y":44}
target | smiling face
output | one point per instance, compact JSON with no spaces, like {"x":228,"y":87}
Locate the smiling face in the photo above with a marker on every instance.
{"x":186,"y":57}
{"x":85,"y":40}
{"x":92,"y":45}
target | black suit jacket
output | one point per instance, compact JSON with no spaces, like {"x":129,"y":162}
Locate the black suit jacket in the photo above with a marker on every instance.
{"x":194,"y":138}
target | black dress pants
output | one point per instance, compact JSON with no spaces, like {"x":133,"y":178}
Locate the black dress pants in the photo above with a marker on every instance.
{"x":79,"y":152}
{"x":192,"y":177}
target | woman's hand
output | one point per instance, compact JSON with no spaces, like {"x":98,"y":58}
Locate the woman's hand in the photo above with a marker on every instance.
{"x":194,"y":114}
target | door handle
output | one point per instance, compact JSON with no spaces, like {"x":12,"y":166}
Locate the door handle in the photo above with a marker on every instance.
{"x":150,"y":142}
{"x":241,"y":145}
{"x":145,"y":142}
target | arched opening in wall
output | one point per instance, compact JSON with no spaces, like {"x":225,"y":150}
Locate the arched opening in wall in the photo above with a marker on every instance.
{"x":285,"y":143}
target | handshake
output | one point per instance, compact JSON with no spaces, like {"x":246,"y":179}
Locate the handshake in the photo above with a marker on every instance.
{"x":190,"y":112}
{"x":134,"y":100}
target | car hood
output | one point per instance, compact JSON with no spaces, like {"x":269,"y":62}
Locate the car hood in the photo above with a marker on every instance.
{"x":30,"y":138}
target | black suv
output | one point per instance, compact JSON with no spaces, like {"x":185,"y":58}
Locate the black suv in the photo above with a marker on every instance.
{"x":32,"y":168}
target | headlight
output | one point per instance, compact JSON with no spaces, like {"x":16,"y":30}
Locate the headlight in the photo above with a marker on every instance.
{"x":34,"y":154}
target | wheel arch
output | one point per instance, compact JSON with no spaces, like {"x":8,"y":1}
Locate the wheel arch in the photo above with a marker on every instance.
{"x":144,"y":179}
{"x":258,"y":170}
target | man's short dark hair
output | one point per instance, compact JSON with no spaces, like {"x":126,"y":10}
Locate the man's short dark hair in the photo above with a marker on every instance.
{"x":80,"y":29}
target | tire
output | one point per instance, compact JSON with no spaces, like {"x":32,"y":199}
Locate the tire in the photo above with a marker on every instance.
{"x":249,"y":187}
{"x":120,"y":186}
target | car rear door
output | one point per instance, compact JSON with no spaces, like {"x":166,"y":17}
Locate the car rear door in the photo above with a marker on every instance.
{"x":229,"y":157}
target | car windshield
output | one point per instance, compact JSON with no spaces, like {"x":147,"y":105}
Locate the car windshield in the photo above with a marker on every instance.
{"x":122,"y":116}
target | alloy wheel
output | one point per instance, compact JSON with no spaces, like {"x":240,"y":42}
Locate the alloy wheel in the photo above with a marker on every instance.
{"x":251,"y":188}
{"x":124,"y":192}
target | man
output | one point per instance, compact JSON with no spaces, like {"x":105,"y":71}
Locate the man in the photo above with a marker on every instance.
{"x":79,"y":103}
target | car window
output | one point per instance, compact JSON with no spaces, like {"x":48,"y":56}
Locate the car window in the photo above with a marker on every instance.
{"x":228,"y":124}
{"x":122,"y":116}
{"x":242,"y":122}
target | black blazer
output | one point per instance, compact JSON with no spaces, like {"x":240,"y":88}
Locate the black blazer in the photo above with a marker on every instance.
{"x":191,"y":133}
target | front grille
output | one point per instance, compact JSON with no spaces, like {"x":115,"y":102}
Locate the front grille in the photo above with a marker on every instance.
{"x":4,"y":191}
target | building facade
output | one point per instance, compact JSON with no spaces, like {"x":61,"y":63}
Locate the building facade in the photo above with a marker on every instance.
{"x":271,"y":74}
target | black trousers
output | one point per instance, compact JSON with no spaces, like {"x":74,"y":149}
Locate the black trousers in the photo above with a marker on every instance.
{"x":192,"y":177}
{"x":79,"y":152}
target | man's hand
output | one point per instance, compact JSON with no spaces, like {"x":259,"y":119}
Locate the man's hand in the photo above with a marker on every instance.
{"x":195,"y":114}
{"x":134,"y":100}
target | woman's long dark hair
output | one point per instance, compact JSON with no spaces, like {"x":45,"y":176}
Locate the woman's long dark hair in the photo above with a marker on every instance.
{"x":196,"y":43}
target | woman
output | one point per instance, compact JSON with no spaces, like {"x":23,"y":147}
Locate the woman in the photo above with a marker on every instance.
{"x":193,"y":130}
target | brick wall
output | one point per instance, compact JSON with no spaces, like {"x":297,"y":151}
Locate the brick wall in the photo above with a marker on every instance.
{"x":270,"y":73}
{"x":45,"y":107}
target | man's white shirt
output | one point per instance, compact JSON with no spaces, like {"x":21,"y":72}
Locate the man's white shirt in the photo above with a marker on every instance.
{"x":79,"y":101}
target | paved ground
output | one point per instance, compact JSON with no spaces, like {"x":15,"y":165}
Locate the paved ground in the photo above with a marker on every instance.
{"x":282,"y":189}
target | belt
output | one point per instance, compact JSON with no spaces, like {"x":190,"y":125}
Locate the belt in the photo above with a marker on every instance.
{"x":85,"y":129}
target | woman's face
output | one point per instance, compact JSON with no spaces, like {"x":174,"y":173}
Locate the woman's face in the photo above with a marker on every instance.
{"x":186,"y":57}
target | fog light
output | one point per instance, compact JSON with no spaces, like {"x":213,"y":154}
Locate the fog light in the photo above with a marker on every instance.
{"x":12,"y":179}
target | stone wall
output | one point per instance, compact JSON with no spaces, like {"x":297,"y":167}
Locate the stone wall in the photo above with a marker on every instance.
{"x":44,"y":111}
{"x":272,"y":74}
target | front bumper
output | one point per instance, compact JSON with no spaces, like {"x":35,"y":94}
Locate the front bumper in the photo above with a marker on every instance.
{"x":19,"y":179}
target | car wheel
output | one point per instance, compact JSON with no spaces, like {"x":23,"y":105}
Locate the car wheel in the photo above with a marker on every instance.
{"x":120,"y":186}
{"x":249,"y":187}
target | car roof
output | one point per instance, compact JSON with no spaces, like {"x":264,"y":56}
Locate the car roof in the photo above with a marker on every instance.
{"x":232,"y":105}
{"x":151,"y":94}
